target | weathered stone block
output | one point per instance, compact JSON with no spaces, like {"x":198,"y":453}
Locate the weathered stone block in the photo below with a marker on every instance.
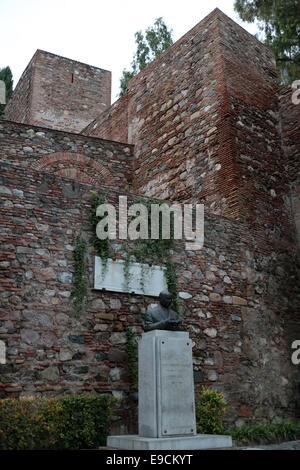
{"x":238,"y":300}
{"x":50,"y":374}
{"x":46,"y":274}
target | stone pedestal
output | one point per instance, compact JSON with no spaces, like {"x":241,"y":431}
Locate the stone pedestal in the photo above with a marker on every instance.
{"x":166,"y":397}
{"x":166,"y":386}
{"x":198,"y":442}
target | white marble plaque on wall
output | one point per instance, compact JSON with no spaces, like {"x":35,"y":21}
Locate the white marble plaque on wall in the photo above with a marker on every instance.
{"x":141,"y":278}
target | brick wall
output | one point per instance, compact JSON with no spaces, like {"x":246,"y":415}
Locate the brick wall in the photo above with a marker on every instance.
{"x":290,"y":132}
{"x":231,"y":310}
{"x":113,"y":124}
{"x":205,"y":126}
{"x":250,"y":79}
{"x":290,"y":141}
{"x":85,"y":159}
{"x":19,"y":106}
{"x":173,"y":113}
{"x":61,"y":93}
{"x":203,"y":118}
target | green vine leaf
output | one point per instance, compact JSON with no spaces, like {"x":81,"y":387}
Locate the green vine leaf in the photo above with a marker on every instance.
{"x":103,"y":247}
{"x":131,"y":349}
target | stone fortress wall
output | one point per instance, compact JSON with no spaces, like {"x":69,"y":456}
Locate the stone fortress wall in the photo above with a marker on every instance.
{"x":206,"y":123}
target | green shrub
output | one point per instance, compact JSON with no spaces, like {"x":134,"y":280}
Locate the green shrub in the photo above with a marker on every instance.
{"x":71,"y":422}
{"x":86,"y":421}
{"x":18,"y":424}
{"x":265,"y":433}
{"x":210,"y":409}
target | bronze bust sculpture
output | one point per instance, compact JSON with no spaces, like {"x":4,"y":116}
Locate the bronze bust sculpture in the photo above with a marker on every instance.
{"x":161,"y":317}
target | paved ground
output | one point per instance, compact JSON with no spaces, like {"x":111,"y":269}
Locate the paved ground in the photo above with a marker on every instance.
{"x":292,"y":445}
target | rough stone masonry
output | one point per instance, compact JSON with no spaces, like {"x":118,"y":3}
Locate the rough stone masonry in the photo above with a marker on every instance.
{"x":207,"y":123}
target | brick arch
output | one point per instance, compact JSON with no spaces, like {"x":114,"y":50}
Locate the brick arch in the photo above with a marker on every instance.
{"x":93,"y":172}
{"x":77,"y":175}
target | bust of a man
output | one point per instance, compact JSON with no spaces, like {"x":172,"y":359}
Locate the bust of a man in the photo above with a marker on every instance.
{"x":161,"y":317}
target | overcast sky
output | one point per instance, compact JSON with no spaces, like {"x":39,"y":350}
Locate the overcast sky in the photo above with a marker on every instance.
{"x":99,"y":33}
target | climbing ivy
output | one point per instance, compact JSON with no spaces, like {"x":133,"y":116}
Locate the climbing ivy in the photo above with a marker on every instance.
{"x":126,"y":270}
{"x":80,"y":283}
{"x":158,"y":251}
{"x":172,"y":284}
{"x":103,"y":247}
{"x":131,"y":350}
{"x":145,"y":251}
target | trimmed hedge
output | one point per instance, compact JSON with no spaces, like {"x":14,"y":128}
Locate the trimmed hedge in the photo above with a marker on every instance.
{"x":70,"y":422}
